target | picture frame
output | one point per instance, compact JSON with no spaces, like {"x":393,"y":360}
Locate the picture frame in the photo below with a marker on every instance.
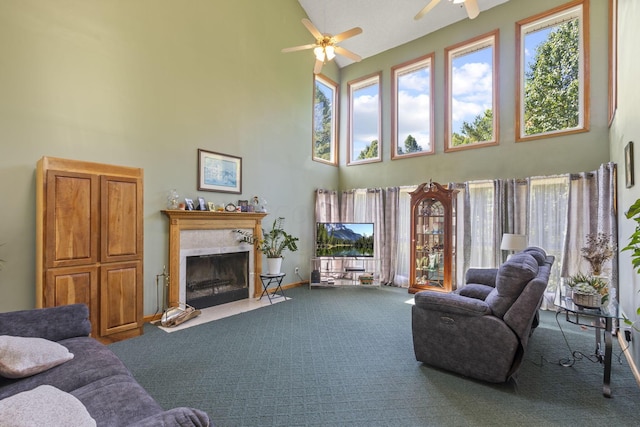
{"x":189,"y":204}
{"x":628,"y":165}
{"x":211,"y":206}
{"x":219,"y":172}
{"x":243,"y":205}
{"x":202,"y":205}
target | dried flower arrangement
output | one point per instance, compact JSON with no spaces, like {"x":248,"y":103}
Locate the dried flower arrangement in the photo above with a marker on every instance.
{"x":597,"y":251}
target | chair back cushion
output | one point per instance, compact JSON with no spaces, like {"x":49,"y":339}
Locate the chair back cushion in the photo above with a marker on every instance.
{"x":511,"y":279}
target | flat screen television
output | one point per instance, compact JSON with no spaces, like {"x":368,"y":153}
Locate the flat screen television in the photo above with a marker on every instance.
{"x":344,"y":239}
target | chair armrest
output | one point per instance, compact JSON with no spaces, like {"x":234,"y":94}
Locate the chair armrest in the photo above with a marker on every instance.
{"x":475,"y":290}
{"x":53,"y":323}
{"x":482,"y":276}
{"x":451,"y":303}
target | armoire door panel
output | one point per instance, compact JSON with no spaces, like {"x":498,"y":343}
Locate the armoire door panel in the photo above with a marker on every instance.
{"x":73,"y":285}
{"x":72,"y":218}
{"x":121,"y":206}
{"x":120,"y":297}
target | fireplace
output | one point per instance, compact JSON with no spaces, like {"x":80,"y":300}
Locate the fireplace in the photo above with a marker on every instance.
{"x":216,"y":279}
{"x":202,"y":234}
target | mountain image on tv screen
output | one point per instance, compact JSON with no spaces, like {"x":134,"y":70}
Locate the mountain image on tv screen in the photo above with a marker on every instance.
{"x":340,"y":239}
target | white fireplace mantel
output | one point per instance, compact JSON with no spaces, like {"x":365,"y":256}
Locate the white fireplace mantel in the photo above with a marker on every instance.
{"x":180,"y":221}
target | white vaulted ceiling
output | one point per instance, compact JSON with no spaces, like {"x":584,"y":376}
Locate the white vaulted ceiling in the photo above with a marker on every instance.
{"x":385,"y":23}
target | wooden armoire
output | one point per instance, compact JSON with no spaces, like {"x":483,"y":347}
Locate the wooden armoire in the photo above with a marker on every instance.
{"x":89,"y":242}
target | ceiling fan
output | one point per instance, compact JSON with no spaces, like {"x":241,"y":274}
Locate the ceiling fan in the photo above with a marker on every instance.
{"x":470,"y":5}
{"x":325,"y":48}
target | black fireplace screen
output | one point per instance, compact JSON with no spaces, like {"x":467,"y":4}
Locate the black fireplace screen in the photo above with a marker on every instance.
{"x":217,"y":279}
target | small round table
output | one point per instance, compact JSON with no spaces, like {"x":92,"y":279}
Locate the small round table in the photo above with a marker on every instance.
{"x":267,"y":280}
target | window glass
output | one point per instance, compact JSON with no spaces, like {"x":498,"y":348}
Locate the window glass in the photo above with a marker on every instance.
{"x":471,"y":84}
{"x":324,"y":120}
{"x":552,"y":74}
{"x":412,"y":116}
{"x":364,"y":120}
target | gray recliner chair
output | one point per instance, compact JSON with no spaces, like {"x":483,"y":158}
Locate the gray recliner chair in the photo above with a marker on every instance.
{"x":482,"y":329}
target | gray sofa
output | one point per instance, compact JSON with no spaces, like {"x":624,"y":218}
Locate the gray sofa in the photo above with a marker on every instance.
{"x":482,"y":329}
{"x":94,"y":375}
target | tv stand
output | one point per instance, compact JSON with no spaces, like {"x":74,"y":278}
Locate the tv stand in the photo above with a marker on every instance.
{"x":345,"y":271}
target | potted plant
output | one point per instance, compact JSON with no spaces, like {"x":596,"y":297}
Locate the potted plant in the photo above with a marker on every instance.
{"x":588,"y":290}
{"x":272,"y":244}
{"x":634,"y":246}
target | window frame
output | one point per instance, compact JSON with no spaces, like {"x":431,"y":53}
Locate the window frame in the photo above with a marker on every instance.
{"x":583,"y":70}
{"x":352,"y":87}
{"x":397,"y":71}
{"x":492,"y":38}
{"x":334,"y":87}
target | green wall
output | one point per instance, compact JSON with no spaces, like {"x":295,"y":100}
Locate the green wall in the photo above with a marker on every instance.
{"x":146,"y":83}
{"x":624,"y":128}
{"x":579,"y":152}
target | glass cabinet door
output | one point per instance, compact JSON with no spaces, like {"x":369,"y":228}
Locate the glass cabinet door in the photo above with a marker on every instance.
{"x":429,"y":246}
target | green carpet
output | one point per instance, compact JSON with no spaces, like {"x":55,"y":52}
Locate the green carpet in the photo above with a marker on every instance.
{"x":333,"y":357}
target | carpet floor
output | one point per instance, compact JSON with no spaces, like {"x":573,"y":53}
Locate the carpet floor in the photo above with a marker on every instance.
{"x":344,"y":357}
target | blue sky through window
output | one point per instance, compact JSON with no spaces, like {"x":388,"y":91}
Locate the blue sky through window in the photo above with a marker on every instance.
{"x":414,"y":100}
{"x":471,"y":87}
{"x":365,"y":118}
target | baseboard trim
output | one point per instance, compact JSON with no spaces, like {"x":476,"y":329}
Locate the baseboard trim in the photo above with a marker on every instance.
{"x":154,"y":317}
{"x":632,"y":364}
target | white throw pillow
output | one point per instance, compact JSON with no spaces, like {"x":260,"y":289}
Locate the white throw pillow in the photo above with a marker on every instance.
{"x":22,"y":356}
{"x":44,"y":406}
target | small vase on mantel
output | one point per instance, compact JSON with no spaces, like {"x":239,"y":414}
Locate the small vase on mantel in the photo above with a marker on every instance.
{"x":274,"y":265}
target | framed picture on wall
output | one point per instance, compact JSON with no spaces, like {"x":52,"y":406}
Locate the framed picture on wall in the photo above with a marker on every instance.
{"x":219,"y":172}
{"x":628,"y":164}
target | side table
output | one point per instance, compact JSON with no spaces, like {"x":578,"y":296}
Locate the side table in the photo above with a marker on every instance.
{"x":601,"y":319}
{"x":267,"y":280}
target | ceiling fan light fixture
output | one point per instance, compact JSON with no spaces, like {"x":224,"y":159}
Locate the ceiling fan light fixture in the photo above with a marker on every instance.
{"x":319,"y":53}
{"x":330,"y":52}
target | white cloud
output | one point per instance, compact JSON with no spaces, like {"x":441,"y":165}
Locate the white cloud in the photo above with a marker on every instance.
{"x":413,"y":118}
{"x":365,"y":121}
{"x":472,"y":91}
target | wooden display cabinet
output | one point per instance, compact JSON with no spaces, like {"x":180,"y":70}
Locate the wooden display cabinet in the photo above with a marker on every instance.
{"x":433,"y":238}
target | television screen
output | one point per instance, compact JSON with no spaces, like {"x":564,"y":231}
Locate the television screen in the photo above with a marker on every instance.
{"x":342,"y":239}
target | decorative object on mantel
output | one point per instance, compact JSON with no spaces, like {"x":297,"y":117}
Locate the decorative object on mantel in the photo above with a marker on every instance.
{"x":172,"y":199}
{"x":588,"y":290}
{"x":257,"y":206}
{"x":272,"y":244}
{"x":597,"y":251}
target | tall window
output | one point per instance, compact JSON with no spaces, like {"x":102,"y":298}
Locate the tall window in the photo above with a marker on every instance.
{"x":412,"y":114}
{"x":364,"y":120}
{"x":553,"y":74}
{"x":325,"y":120}
{"x":471,"y":106}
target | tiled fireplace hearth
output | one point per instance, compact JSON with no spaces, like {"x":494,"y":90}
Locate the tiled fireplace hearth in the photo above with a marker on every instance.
{"x":200,"y":233}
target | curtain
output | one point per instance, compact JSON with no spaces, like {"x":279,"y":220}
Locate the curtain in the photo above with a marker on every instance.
{"x":592,"y":200}
{"x":327,"y":206}
{"x":480,"y":207}
{"x":390,"y":235}
{"x":401,"y":258}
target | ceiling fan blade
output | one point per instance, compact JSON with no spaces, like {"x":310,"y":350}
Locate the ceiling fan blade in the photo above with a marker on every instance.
{"x":297,"y":48}
{"x":318,"y":67}
{"x":426,"y":9}
{"x":346,"y":34}
{"x":344,"y":52}
{"x":312,"y":29}
{"x":472,"y":8}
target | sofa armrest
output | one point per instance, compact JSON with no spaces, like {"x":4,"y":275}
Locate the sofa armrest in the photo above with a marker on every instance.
{"x":451,"y":303}
{"x":482,"y":276}
{"x":178,"y":417}
{"x":53,"y":323}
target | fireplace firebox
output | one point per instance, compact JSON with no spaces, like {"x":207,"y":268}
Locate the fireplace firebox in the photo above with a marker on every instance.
{"x":217,"y":279}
